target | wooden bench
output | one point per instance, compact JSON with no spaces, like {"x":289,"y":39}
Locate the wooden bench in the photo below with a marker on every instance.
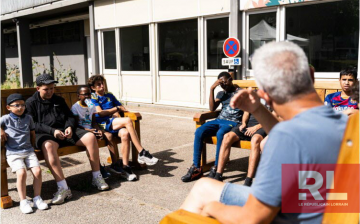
{"x":349,"y":154}
{"x":69,"y":93}
{"x":323,"y":88}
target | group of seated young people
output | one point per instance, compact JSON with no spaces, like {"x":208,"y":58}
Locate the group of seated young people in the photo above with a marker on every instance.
{"x":309,"y":133}
{"x":287,"y":93}
{"x":46,"y":122}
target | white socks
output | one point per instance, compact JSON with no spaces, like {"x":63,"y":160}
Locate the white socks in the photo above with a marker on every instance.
{"x":95,"y":174}
{"x":62,"y":184}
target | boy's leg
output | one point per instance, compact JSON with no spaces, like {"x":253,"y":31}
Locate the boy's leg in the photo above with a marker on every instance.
{"x":112,"y":146}
{"x":224,"y":155}
{"x":89,"y":141}
{"x":225,"y":127}
{"x":36,"y":171}
{"x":125,"y":145}
{"x":125,"y":122}
{"x":49,"y":149}
{"x":21,"y":183}
{"x":206,"y":130}
{"x":254,"y":154}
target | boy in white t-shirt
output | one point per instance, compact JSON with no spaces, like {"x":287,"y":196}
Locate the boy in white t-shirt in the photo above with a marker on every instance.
{"x":84,"y":112}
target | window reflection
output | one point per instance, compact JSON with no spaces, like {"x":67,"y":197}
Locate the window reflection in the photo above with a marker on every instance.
{"x":328,"y":33}
{"x":178,"y":46}
{"x":217,"y":31}
{"x":262,"y":30}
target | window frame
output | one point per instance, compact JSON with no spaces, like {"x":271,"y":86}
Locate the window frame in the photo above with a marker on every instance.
{"x":177,"y":73}
{"x":212,"y":72}
{"x":105,"y":70}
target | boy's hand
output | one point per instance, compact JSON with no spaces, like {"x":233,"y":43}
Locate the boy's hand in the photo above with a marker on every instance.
{"x":59,"y":134}
{"x":3,"y":136}
{"x":216,"y":83}
{"x":251,"y":131}
{"x":99,"y":134}
{"x":242,"y":126}
{"x":68,"y":132}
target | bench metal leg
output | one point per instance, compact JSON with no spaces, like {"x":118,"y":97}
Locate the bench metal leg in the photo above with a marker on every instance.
{"x":206,"y":165}
{"x":6,"y":201}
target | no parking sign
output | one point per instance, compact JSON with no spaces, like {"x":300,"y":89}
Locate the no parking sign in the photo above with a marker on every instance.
{"x":231,"y":47}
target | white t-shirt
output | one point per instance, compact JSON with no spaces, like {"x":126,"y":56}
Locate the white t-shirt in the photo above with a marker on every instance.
{"x":84,"y":114}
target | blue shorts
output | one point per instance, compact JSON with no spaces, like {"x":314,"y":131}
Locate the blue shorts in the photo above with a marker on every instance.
{"x":234,"y":194}
{"x":108,"y":126}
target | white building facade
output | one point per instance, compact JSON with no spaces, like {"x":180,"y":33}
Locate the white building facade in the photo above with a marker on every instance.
{"x":168,"y":52}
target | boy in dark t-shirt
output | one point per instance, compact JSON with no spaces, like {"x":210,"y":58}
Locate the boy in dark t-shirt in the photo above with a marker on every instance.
{"x":227,"y":119}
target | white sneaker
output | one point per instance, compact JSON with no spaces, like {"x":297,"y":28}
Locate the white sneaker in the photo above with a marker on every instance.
{"x":40,"y":204}
{"x":25,"y":207}
{"x":100,"y":183}
{"x":148,"y":159}
{"x":128,"y":174}
{"x":61,"y":195}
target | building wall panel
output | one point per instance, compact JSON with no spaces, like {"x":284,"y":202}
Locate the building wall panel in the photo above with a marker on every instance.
{"x":180,"y":88}
{"x":113,"y":84}
{"x":136,"y":88}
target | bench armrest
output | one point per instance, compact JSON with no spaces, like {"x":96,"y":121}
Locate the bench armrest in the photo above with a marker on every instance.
{"x":202,"y":117}
{"x":185,"y":217}
{"x":135,"y":116}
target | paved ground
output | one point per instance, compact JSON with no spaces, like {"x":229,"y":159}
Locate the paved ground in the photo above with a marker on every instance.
{"x":168,"y":134}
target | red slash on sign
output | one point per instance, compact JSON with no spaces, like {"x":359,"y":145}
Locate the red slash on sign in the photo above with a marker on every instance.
{"x":231,"y":47}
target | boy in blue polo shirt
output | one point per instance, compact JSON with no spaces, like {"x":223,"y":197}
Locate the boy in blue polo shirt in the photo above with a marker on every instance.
{"x":18,"y":130}
{"x":106,"y":106}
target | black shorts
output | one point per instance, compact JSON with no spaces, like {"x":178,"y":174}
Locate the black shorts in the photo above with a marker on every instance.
{"x":77,"y":134}
{"x":244,"y":137}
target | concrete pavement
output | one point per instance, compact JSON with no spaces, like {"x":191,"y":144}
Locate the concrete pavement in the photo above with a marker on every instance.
{"x":168,"y":134}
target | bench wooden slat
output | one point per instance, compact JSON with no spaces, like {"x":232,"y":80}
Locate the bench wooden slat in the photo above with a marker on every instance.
{"x":184,"y":217}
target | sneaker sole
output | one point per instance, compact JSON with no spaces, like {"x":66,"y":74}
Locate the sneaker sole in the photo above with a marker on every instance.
{"x":196,"y":178}
{"x":100,"y":189}
{"x":60,"y":202}
{"x":148,"y":163}
{"x":40,"y":208}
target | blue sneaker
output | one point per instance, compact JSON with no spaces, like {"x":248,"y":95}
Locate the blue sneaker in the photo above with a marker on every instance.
{"x":105,"y":174}
{"x":117,"y":167}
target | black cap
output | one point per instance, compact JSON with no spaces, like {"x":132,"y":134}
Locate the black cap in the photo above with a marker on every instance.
{"x":45,"y":79}
{"x":14,"y":97}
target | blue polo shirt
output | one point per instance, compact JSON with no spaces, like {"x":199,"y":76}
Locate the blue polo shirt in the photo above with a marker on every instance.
{"x":18,"y":133}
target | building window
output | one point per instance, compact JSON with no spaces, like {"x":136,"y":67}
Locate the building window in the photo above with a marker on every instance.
{"x":217,"y":30}
{"x":328,"y":33}
{"x":10,"y":40}
{"x":63,"y":33}
{"x":178,"y":46}
{"x":38,"y":36}
{"x":109,"y":49}
{"x":262,"y":30}
{"x":134,"y":42}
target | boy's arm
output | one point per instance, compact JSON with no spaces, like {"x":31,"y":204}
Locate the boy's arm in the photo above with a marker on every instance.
{"x":33,"y":138}
{"x":244,"y":120}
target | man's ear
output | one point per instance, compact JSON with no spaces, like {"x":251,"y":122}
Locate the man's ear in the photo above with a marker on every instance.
{"x":7,"y":107}
{"x":37,"y":88}
{"x":262,"y":94}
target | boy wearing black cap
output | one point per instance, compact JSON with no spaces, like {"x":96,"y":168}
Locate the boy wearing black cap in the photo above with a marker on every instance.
{"x":18,"y":130}
{"x":55,"y":127}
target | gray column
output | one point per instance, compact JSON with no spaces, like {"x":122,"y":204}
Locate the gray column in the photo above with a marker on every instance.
{"x":24,"y":49}
{"x":93,"y":41}
{"x":235,"y":30}
{"x":3,"y":57}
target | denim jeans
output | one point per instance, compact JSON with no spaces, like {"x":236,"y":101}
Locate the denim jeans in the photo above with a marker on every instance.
{"x":234,"y":194}
{"x":216,"y":127}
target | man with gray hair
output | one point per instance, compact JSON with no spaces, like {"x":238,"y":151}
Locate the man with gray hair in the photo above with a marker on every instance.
{"x":308,"y":135}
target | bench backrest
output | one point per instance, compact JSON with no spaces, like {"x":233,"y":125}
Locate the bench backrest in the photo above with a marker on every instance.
{"x":69,"y":93}
{"x":323,"y":88}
